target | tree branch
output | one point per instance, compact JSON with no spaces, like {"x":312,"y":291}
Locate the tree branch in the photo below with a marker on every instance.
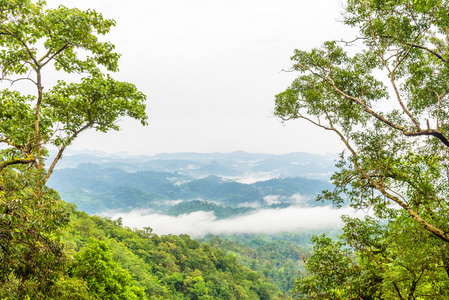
{"x":21,"y":161}
{"x":61,"y":150}
{"x":430,"y":132}
{"x":437,"y":55}
{"x":23,"y":44}
{"x":12,"y":81}
{"x":53,"y":56}
{"x":436,"y":231}
{"x":393,"y":83}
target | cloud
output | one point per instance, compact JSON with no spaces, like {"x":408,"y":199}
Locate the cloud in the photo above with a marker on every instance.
{"x":249,"y":204}
{"x":272,"y":199}
{"x":171,"y":202}
{"x":295,"y":199}
{"x":252,"y":177}
{"x":269,"y":221}
{"x":299,"y":199}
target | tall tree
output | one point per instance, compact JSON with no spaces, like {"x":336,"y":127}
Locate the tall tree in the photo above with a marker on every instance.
{"x":386,"y":99}
{"x":35,"y":41}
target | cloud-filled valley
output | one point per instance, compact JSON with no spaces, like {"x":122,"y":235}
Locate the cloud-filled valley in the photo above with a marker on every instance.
{"x":268,"y":221}
{"x":197,"y":194}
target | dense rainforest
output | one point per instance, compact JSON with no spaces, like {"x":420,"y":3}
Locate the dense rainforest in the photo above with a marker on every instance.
{"x":105,"y":260}
{"x":156,"y":267}
{"x":383,"y":94}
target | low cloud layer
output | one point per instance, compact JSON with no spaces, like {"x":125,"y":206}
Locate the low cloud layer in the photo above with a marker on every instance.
{"x":253,"y":177}
{"x":267,"y":221}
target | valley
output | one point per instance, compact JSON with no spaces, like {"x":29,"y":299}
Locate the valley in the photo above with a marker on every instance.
{"x":246,"y":205}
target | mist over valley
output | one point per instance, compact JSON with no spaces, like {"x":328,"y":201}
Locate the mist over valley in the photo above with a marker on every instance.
{"x":200,"y":194}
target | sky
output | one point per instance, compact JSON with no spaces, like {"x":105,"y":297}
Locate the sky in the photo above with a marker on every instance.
{"x":211,"y":70}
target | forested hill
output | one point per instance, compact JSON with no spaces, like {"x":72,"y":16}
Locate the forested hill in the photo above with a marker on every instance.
{"x":178,"y":267}
{"x":138,"y":264}
{"x":95,"y":189}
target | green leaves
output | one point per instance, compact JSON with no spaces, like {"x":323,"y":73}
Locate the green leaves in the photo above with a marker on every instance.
{"x":96,"y":102}
{"x":103,"y":277}
{"x":62,"y":32}
{"x":349,"y":96}
{"x":166,"y":267}
{"x":372,"y":260}
{"x":72,"y":29}
{"x":332,"y":87}
{"x":29,"y":234}
{"x":16,"y":118}
{"x":330,"y":270}
{"x":33,"y":38}
{"x":388,"y":104}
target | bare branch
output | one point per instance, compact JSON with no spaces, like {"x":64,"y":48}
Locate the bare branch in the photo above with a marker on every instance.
{"x":348,"y":43}
{"x":12,"y":81}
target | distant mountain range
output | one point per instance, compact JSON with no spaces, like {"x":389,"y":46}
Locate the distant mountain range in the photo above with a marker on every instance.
{"x":237,"y":164}
{"x":226,"y":183}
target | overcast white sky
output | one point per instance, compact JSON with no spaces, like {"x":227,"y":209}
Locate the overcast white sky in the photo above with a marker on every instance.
{"x":211,"y":69}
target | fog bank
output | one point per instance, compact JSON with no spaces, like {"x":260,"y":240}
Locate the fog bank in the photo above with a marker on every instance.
{"x":268,"y":221}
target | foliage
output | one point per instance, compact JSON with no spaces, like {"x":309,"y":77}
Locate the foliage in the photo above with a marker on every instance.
{"x":398,"y":260}
{"x":31,"y":255}
{"x":279,"y":259}
{"x":387,"y":103}
{"x":104,"y":278}
{"x":164,"y":267}
{"x":32,"y":40}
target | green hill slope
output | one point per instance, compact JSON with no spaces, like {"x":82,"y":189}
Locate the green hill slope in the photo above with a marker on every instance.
{"x":94,"y":189}
{"x":169,"y":267}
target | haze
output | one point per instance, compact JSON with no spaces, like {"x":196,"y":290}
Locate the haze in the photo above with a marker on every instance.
{"x":211,"y":70}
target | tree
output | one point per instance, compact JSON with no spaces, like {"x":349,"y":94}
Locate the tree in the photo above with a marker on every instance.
{"x":103,"y":277}
{"x":387,"y":102}
{"x":35,"y":41}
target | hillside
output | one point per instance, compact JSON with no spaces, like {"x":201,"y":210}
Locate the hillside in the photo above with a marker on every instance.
{"x":97,"y":187}
{"x":175,"y":266}
{"x":167,"y":267}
